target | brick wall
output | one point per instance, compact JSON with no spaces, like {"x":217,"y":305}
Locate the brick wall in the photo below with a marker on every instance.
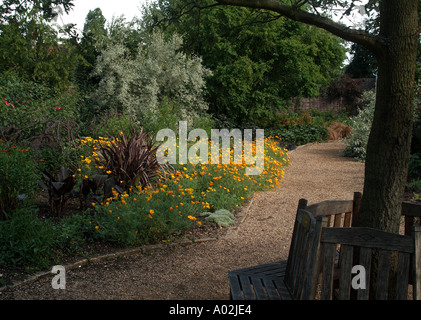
{"x":319,"y":103}
{"x":323,"y":103}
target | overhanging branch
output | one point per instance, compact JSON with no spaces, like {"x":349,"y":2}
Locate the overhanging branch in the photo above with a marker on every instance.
{"x":363,"y":38}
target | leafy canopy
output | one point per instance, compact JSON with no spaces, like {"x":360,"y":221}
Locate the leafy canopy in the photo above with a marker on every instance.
{"x":30,"y":46}
{"x":259,"y":60}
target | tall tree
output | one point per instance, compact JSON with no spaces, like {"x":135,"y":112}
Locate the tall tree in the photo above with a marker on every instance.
{"x":31,"y":47}
{"x":395,"y":48}
{"x":93,"y":37}
{"x":363,"y":63}
{"x":9,"y":9}
{"x":258,"y":59}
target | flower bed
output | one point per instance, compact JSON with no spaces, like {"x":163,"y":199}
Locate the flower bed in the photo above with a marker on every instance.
{"x":147,"y":214}
{"x":166,"y":207}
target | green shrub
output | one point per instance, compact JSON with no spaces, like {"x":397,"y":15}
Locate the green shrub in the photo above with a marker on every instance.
{"x":15,"y":89}
{"x":38,"y":116}
{"x":325,"y":117}
{"x":51,"y":156}
{"x":73,"y":231}
{"x":47,"y":122}
{"x":17,"y":178}
{"x":114,"y":123}
{"x":26,"y":240}
{"x":167,"y":116}
{"x":415,"y":186}
{"x":135,"y":220}
{"x":303,"y":134}
{"x":361,"y":126}
{"x":414,"y":166}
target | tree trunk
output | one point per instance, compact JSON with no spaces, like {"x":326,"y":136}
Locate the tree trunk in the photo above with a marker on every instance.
{"x":388,"y":149}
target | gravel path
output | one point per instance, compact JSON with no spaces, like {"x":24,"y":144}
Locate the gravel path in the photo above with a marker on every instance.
{"x":199,"y":271}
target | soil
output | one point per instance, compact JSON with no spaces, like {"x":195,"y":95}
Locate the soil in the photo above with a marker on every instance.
{"x":197,"y":270}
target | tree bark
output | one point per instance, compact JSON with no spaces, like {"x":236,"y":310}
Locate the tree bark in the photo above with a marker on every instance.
{"x":388,"y":149}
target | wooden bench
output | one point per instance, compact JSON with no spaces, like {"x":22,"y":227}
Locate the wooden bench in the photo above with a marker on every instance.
{"x":411,"y":212}
{"x":358,"y":247}
{"x":336,"y":213}
{"x":287,"y":279}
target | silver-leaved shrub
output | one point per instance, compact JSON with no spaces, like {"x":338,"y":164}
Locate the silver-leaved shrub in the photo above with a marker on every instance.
{"x":361,"y":126}
{"x":158,"y":71}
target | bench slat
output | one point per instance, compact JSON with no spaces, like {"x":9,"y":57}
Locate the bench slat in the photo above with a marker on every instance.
{"x":328,"y":263}
{"x":275,"y":292}
{"x":331,"y":207}
{"x":345,"y":272}
{"x":383,"y":276}
{"x":402,"y":276}
{"x":258,"y":288}
{"x":236,"y":293}
{"x":367,"y":237}
{"x":284,"y":292}
{"x":247,"y":288}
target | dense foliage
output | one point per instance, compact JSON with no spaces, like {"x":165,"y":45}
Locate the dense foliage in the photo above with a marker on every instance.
{"x":258,"y":61}
{"x":78,"y":114}
{"x":361,"y":124}
{"x":137,"y":85}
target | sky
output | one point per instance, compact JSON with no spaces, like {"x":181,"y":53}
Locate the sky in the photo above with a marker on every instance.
{"x":110,"y":8}
{"x":130,"y":9}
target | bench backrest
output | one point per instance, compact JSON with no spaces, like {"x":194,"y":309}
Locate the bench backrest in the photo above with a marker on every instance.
{"x":359,"y":246}
{"x":411,"y":212}
{"x":337,"y":213}
{"x":302,"y":267}
{"x":300,"y":276}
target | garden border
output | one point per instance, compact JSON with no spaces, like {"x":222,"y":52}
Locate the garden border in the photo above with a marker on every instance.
{"x":231,"y":233}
